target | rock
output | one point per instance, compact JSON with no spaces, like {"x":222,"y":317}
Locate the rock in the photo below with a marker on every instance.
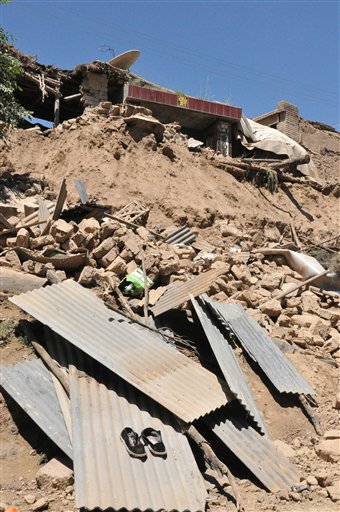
{"x":169,"y":152}
{"x":284,"y":448}
{"x":88,"y":276}
{"x":227,"y":229}
{"x":55,"y":276}
{"x":312,"y":480}
{"x":108,"y":228}
{"x":169,"y":266}
{"x":242,"y":273}
{"x":61,"y":231}
{"x":131,"y":243}
{"x":23,"y":238}
{"x":103,"y":248}
{"x":329,"y":450}
{"x":184,"y":252}
{"x":144,"y":233}
{"x":69,"y":246}
{"x":118,"y":266}
{"x":315,"y":325}
{"x":334,"y":490}
{"x":89,"y":226}
{"x":78,"y":238}
{"x":324,"y":478}
{"x":54,"y":475}
{"x":41,"y":504}
{"x":30,"y":498}
{"x":41,"y":241}
{"x":295,"y":496}
{"x":109,"y":258}
{"x":272,"y":308}
{"x":271,"y":281}
{"x":13,"y":260}
{"x":146,"y":124}
{"x":11,"y":241}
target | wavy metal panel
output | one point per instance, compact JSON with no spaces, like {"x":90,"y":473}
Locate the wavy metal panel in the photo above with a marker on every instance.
{"x":30,"y":385}
{"x":99,"y":414}
{"x":101,"y":408}
{"x":256,"y":452}
{"x":182,"y":235}
{"x":173,"y":380}
{"x":179,"y":293}
{"x":283,"y":375}
{"x":229,"y":364}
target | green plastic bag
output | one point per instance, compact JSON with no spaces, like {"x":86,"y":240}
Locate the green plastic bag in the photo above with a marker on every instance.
{"x":135,"y":288}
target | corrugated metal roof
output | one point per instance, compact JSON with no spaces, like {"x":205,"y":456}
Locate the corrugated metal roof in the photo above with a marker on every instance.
{"x":179,"y":293}
{"x":262,"y":349}
{"x":255,"y":451}
{"x":30,"y":385}
{"x":99,"y":414}
{"x":182,"y":235}
{"x":229,"y":364}
{"x":173,"y":380}
{"x":100,"y":410}
{"x":202,"y":245}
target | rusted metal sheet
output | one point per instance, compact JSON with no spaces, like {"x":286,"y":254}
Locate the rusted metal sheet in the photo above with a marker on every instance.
{"x":255,"y":451}
{"x":280,"y":371}
{"x":228,"y":363}
{"x":182,"y":235}
{"x":30,"y":385}
{"x":173,"y":380}
{"x":177,"y":294}
{"x":180,"y":100}
{"x":99,"y":414}
{"x":60,"y":200}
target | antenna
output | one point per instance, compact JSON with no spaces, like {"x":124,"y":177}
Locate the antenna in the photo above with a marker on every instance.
{"x":106,"y":48}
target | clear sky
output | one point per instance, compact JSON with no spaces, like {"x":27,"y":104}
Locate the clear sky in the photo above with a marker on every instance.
{"x":247,"y":53}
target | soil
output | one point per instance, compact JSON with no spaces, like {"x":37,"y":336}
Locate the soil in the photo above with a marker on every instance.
{"x":119,"y":166}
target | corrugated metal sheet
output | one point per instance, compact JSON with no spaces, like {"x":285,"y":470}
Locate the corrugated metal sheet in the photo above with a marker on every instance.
{"x":202,"y":245}
{"x":182,"y":235}
{"x":255,"y":451}
{"x":229,"y":364}
{"x":179,"y":293}
{"x":173,"y":380}
{"x":99,"y":414}
{"x":30,"y":385}
{"x":60,"y":200}
{"x":101,"y":408}
{"x":190,"y":103}
{"x":262,"y":349}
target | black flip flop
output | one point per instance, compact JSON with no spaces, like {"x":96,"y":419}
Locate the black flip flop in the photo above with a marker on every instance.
{"x":132,"y":443}
{"x":153,"y":439}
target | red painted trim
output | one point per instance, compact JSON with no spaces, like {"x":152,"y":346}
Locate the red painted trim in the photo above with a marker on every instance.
{"x":180,"y":100}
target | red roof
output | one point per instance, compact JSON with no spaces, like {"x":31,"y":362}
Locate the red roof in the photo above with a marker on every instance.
{"x":182,"y":101}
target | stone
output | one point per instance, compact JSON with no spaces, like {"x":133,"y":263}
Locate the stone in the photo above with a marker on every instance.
{"x":324,"y":478}
{"x":316,"y":326}
{"x":169,"y":266}
{"x":242,"y":273}
{"x":144,"y":233}
{"x":54,"y":475}
{"x":13,"y":259}
{"x":329,"y":450}
{"x":312,"y":480}
{"x":28,"y":266}
{"x":103,"y":248}
{"x":41,"y":504}
{"x":118,"y":266}
{"x":30,"y":498}
{"x":146,"y":124}
{"x":184,"y":252}
{"x":69,"y":246}
{"x":227,"y":229}
{"x":89,"y":226}
{"x":41,"y":241}
{"x":271,"y":281}
{"x":109,"y":258}
{"x":220,"y":297}
{"x":61,"y":231}
{"x":284,"y":448}
{"x":271,"y":308}
{"x":11,"y":241}
{"x":78,"y":238}
{"x":334,"y":490}
{"x":108,"y":228}
{"x":23,"y":238}
{"x":295,"y":496}
{"x":87,"y":276}
{"x":131,"y":267}
{"x":55,"y":276}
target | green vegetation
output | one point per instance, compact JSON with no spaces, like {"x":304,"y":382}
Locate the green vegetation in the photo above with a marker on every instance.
{"x":10,"y":110}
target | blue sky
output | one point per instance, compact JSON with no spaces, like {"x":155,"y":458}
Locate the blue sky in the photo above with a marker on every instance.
{"x":247,"y":53}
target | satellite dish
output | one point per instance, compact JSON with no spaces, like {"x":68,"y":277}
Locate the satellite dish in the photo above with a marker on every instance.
{"x":124,"y":60}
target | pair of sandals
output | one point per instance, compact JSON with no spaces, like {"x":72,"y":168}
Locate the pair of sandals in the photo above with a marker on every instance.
{"x":135,"y":444}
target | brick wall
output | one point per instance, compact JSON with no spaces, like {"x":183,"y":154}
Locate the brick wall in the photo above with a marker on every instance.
{"x":289,"y":120}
